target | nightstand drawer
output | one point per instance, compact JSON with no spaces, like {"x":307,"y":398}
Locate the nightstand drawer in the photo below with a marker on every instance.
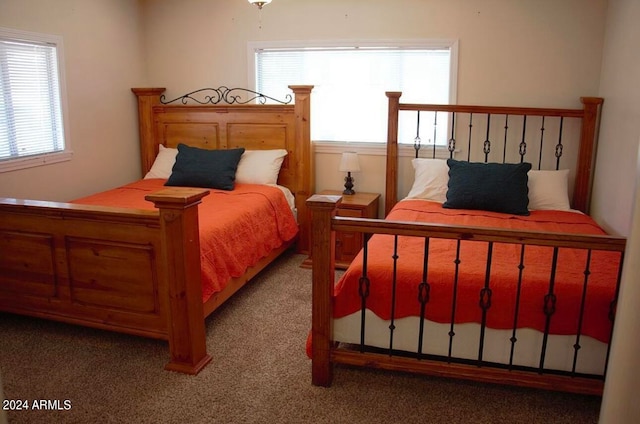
{"x":352,"y":213}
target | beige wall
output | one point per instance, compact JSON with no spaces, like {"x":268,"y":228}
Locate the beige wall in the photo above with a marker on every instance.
{"x":545,"y":51}
{"x":103,"y":60}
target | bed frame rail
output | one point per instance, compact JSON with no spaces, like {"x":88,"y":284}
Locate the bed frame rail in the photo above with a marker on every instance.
{"x":325,"y":353}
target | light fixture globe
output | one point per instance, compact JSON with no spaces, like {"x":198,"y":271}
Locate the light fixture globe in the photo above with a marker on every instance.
{"x":259,"y":3}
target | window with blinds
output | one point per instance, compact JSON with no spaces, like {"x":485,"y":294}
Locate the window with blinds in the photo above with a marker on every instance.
{"x":31,"y":114}
{"x":350,"y":81}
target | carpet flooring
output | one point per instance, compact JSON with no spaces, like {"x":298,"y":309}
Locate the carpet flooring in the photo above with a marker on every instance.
{"x":259,"y":374}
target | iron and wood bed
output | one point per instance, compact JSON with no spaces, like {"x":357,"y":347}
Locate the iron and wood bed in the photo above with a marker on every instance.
{"x":482,"y":130}
{"x":138,"y":271}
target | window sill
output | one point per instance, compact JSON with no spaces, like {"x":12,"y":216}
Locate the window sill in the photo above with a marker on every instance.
{"x":33,"y":161}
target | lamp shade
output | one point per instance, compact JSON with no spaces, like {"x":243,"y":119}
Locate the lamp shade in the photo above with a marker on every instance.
{"x":349,"y":162}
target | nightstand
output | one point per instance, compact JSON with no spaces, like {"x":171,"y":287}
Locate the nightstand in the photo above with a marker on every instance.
{"x":348,"y":244}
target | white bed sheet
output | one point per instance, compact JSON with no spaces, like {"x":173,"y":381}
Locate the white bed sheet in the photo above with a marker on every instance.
{"x":497,"y":345}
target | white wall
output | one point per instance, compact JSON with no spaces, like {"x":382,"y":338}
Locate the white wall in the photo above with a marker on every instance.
{"x":620,"y":129}
{"x":620,"y":400}
{"x":619,"y":162}
{"x":103,"y":60}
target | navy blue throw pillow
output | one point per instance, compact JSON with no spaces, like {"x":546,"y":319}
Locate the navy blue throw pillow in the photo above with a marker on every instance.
{"x":496,"y":187}
{"x":205,"y":168}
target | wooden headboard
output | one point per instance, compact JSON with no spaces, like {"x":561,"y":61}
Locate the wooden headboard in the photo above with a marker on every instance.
{"x":503,"y":134}
{"x":252,"y":126}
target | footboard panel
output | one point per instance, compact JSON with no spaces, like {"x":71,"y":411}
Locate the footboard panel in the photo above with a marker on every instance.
{"x":27,"y":264}
{"x":550,"y":332}
{"x":125,"y":270}
{"x":80,"y":265}
{"x":103,"y":274}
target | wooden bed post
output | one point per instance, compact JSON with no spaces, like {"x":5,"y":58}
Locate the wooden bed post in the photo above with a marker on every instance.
{"x":391,"y":189}
{"x":323,"y":209}
{"x":586,"y":155}
{"x":304,"y":159}
{"x":181,"y":275}
{"x":147,"y":99}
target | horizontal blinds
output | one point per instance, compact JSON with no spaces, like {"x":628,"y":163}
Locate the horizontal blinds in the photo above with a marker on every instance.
{"x":30,"y":111}
{"x":349,"y":103}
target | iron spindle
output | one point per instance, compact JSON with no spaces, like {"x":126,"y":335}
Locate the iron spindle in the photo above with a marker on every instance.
{"x":549,"y":308}
{"x":541,"y":142}
{"x":523,"y":144}
{"x":513,"y":338}
{"x":452,"y":141}
{"x":486,"y":148}
{"x":454,"y":300}
{"x":506,"y":130}
{"x":424,"y":290}
{"x":559,"y":145}
{"x":485,"y":302}
{"x":417,"y":141}
{"x":435,"y":133}
{"x":469,"y":142}
{"x":364,"y":293}
{"x":576,"y":345}
{"x":392,"y":326}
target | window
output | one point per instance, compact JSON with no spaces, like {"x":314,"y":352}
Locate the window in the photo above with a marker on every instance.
{"x":32,"y":130}
{"x":350,"y":81}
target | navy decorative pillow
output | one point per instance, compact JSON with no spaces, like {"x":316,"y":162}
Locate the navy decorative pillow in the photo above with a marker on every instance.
{"x":496,"y":187}
{"x":197,"y":167}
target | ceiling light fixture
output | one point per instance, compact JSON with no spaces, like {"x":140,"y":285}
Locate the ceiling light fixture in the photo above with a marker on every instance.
{"x":259,"y":3}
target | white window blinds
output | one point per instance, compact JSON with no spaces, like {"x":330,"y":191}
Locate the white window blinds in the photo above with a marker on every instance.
{"x":31,"y":121}
{"x":349,"y":102}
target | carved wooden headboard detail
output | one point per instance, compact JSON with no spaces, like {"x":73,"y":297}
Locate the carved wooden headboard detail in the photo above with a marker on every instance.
{"x":225,"y":126}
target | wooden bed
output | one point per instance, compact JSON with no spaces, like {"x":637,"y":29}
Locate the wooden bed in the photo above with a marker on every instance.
{"x":487,"y":134}
{"x":137,"y":271}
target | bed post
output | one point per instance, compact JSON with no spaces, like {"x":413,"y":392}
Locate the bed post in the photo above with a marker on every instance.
{"x":147,"y":99}
{"x":586,"y":155}
{"x":304,"y":162}
{"x":391,"y":189}
{"x":181,"y":276}
{"x":323,"y":209}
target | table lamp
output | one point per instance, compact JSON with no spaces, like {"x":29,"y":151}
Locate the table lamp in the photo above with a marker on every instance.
{"x":349,"y":164}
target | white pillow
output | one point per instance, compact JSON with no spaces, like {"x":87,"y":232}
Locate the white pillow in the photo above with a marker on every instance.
{"x":260,"y":166}
{"x":163,"y":164}
{"x":430,"y":180}
{"x":549,"y":190}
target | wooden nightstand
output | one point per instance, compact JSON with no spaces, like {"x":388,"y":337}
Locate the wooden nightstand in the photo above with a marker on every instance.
{"x":359,"y":205}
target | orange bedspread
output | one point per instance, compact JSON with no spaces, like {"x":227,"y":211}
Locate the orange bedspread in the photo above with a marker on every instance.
{"x":237,"y":228}
{"x":569,"y":278}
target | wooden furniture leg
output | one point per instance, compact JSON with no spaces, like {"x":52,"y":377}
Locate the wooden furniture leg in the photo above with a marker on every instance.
{"x":323,"y":209}
{"x":182,"y":271}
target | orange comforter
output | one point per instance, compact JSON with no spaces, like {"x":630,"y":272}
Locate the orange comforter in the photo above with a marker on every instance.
{"x":237,"y":228}
{"x":569,"y":278}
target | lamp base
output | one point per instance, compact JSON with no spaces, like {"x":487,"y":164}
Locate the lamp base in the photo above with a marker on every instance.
{"x":348,"y":184}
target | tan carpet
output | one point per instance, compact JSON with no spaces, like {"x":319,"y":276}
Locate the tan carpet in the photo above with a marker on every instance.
{"x":259,"y":374}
